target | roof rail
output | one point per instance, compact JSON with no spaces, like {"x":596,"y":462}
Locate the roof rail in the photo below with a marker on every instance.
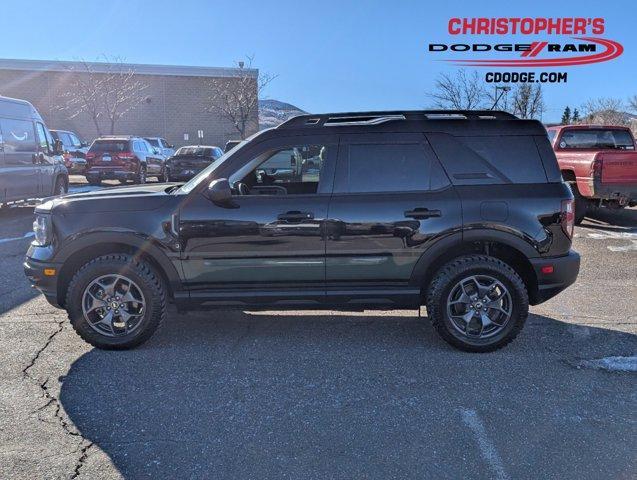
{"x":376,"y":118}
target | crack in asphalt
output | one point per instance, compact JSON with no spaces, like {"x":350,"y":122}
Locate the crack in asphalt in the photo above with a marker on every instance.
{"x":85,"y":445}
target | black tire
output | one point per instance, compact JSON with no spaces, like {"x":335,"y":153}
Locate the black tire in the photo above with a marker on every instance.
{"x":61,"y":186}
{"x":167,"y":175}
{"x":143,"y":275}
{"x":140,"y":178}
{"x":463,"y":267}
{"x":95,"y":182}
{"x":581,"y":204}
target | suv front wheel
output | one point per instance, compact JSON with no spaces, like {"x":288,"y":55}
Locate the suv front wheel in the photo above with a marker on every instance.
{"x":116,"y":302}
{"x":477,"y":303}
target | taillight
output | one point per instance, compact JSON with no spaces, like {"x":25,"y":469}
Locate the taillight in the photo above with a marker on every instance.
{"x":568,"y":217}
{"x":126,"y":156}
{"x":90,"y":155}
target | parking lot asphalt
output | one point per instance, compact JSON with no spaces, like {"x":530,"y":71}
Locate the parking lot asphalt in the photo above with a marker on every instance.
{"x":327,"y":394}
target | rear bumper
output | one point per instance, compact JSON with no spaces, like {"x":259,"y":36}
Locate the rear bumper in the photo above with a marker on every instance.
{"x":565,"y":271}
{"x":623,"y":193}
{"x":34,"y":270}
{"x":110,"y":174}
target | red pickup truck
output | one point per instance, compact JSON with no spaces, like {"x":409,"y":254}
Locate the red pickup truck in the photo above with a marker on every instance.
{"x":600,"y":164}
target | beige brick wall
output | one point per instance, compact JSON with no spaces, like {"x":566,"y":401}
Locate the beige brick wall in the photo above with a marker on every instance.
{"x":175,"y":105}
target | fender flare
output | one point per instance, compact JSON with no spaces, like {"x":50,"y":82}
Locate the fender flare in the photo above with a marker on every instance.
{"x":142,"y":244}
{"x":430,"y":256}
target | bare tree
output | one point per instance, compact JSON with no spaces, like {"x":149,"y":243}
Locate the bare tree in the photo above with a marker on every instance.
{"x":107,"y":92}
{"x":237,"y":99}
{"x":604,"y":110}
{"x":461,"y":91}
{"x":632,"y":103}
{"x":528,"y":101}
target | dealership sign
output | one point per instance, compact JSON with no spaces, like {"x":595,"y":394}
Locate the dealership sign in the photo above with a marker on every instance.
{"x":579,"y":48}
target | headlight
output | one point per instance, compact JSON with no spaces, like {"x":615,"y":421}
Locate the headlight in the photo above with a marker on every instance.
{"x":42,"y":230}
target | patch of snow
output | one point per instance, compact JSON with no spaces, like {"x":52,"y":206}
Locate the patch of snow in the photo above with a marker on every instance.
{"x":612,"y":364}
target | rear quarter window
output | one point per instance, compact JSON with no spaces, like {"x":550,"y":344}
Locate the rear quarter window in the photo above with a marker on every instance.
{"x":489,"y":160}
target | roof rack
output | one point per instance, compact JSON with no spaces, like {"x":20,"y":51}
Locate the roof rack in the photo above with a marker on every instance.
{"x":376,"y":118}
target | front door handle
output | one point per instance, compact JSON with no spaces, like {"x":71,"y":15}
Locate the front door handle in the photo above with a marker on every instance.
{"x":295,"y":216}
{"x":422,"y":213}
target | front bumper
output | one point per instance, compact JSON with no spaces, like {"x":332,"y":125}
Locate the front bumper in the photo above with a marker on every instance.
{"x":47,"y":284}
{"x":564,"y":274}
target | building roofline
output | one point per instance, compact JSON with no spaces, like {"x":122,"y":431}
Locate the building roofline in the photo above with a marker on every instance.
{"x":138,"y":68}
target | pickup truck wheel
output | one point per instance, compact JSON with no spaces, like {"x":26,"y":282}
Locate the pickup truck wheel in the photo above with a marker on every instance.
{"x":167,"y":175}
{"x":94,"y":181}
{"x":116,"y":302}
{"x":477,"y":303}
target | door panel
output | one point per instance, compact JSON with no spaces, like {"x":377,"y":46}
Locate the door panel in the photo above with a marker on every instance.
{"x":375,"y":237}
{"x":46,"y":161}
{"x":254,"y":242}
{"x":270,"y":242}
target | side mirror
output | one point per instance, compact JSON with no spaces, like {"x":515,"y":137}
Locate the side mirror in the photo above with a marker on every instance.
{"x":219,"y":192}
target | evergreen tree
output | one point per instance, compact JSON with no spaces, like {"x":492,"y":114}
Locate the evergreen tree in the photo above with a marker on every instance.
{"x":566,"y":116}
{"x":575,"y":117}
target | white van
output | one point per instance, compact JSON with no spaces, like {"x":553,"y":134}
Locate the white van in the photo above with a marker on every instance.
{"x":31,"y":163}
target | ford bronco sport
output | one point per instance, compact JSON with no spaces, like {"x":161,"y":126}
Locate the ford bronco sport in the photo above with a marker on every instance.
{"x":462,"y":211}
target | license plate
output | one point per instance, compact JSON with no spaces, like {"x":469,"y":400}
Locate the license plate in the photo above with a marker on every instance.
{"x":106,"y":158}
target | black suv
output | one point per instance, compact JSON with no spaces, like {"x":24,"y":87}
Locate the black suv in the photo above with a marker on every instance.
{"x":462,"y":211}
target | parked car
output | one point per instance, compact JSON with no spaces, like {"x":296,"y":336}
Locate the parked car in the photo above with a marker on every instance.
{"x":230,"y":144}
{"x":31,"y":163}
{"x":190,"y":160}
{"x":74,"y":151}
{"x":464,"y":212}
{"x":600,"y":164}
{"x":165,"y":148}
{"x":123,"y":158}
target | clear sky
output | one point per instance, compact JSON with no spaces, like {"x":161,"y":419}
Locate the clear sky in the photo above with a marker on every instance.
{"x":328,"y":55}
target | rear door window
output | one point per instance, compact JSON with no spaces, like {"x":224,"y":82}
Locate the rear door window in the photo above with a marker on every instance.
{"x":387,"y":168}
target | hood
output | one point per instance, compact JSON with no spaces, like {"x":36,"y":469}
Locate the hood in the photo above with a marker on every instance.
{"x":129,"y":198}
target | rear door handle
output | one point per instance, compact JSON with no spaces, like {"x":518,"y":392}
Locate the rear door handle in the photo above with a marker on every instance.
{"x":295,"y":216}
{"x":422,"y":213}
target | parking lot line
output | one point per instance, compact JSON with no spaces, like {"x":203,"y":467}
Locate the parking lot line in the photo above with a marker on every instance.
{"x":12,"y":239}
{"x":487,"y":448}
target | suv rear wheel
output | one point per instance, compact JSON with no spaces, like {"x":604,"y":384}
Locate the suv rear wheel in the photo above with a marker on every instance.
{"x":116,"y":302}
{"x":477,"y":303}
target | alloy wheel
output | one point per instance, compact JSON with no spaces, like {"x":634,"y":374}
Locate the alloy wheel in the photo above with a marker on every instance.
{"x":479,"y":306}
{"x":113,"y":305}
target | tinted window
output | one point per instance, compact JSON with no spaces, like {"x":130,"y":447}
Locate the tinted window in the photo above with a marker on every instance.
{"x":489,"y":160}
{"x":387,"y":168}
{"x":18,"y":135}
{"x":599,"y":138}
{"x":153,"y":141}
{"x":110,"y":146}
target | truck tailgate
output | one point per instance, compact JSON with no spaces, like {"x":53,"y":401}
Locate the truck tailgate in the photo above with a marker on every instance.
{"x":619,"y":167}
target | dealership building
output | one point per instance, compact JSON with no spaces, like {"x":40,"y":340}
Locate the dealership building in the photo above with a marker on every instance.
{"x":174,"y":101}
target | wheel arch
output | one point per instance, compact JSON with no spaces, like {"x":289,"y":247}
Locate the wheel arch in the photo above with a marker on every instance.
{"x":91,"y":246}
{"x":506,"y":247}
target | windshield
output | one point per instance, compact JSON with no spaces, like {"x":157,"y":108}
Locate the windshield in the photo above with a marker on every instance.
{"x":597,"y":138}
{"x":207,"y":173}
